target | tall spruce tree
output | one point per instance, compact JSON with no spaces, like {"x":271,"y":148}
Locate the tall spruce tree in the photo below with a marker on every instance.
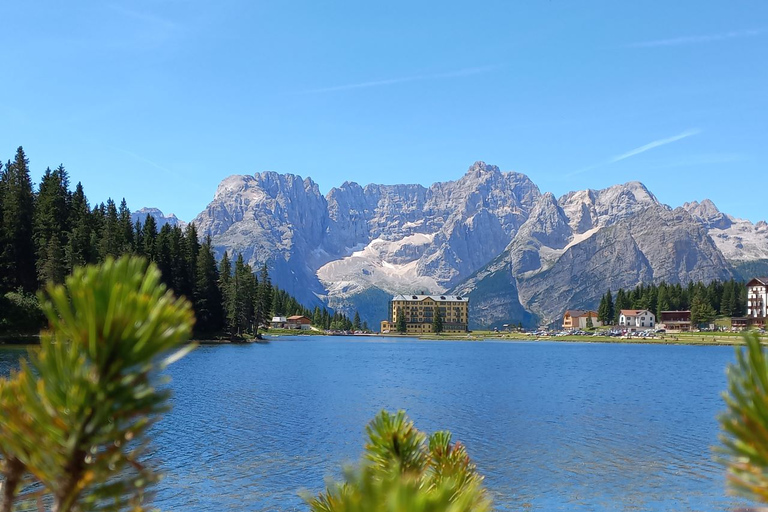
{"x":356,"y":321}
{"x":263,"y":306}
{"x":50,"y":226}
{"x":400,"y":325}
{"x":125,"y":228}
{"x":149,"y":236}
{"x":207,"y":297}
{"x":111,"y":241}
{"x":79,"y":250}
{"x":17,"y":252}
{"x":437,"y":321}
{"x":603,"y":315}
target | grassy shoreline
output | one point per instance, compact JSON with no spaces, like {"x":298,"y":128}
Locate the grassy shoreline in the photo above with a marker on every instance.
{"x":706,"y":338}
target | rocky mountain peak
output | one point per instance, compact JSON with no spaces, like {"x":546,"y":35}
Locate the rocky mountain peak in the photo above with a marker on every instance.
{"x":588,"y":209}
{"x":161,"y":219}
{"x":708,"y":214}
{"x":479,"y":168}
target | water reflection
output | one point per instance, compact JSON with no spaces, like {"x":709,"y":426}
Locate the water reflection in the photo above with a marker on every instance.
{"x":552,"y":426}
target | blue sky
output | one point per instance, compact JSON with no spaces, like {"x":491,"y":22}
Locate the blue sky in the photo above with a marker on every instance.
{"x":157,"y":101}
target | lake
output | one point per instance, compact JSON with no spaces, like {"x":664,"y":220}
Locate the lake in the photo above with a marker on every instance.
{"x":552,"y":426}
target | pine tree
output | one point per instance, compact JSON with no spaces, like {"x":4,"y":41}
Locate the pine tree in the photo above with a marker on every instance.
{"x":701,"y":309}
{"x":727,"y":300}
{"x":609,"y":307}
{"x":207,"y":296}
{"x":242,"y":294}
{"x":225,"y":288}
{"x":356,"y":322}
{"x":163,"y":256}
{"x":17,"y":252}
{"x":149,"y":235}
{"x":50,"y":225}
{"x":110,"y":243}
{"x":662,"y":301}
{"x":79,"y":250}
{"x":590,"y":325}
{"x":602,"y":311}
{"x":125,"y":229}
{"x":437,"y":321}
{"x":263,"y":306}
{"x":622,"y":302}
{"x":401,"y":326}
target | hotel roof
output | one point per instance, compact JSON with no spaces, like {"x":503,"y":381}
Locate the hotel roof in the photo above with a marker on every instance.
{"x":436,"y":298}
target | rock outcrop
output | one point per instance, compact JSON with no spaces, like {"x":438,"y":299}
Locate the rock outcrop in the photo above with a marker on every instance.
{"x":519,"y":254}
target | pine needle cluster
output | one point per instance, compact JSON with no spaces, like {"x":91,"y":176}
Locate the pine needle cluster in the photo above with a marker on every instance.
{"x":404,"y":470}
{"x":73,"y":421}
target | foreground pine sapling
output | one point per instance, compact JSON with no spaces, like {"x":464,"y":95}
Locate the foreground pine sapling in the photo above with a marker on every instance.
{"x":73,"y":421}
{"x":405,"y":471}
{"x":744,"y":437}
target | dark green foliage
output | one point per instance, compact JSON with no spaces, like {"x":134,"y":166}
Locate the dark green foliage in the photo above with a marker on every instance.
{"x":207,"y":296}
{"x":701,"y":310}
{"x":400,"y":325}
{"x":356,"y":322}
{"x":43,"y":238}
{"x":263,"y":306}
{"x":705,"y":302}
{"x":79,"y":250}
{"x":622,"y":302}
{"x":437,"y":321}
{"x":17,"y":249}
{"x":404,"y":470}
{"x":744,"y":425}
{"x":50,"y":226}
{"x":605,"y":312}
{"x":73,"y":422}
{"x":21,"y":313}
{"x":149,"y":236}
{"x":111,"y":242}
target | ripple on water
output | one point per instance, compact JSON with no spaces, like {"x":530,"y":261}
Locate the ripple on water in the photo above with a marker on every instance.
{"x":587,"y":427}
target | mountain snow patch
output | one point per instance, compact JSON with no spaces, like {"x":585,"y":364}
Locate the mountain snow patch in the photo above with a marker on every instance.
{"x":392,"y":266}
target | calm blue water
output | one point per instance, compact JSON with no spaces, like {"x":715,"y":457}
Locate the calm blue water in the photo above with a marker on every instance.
{"x":552,"y":426}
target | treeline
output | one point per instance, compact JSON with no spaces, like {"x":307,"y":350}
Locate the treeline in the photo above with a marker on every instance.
{"x":45,"y":234}
{"x":705,"y":301}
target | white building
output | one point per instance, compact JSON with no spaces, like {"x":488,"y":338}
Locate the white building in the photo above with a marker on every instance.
{"x":757,"y":297}
{"x":636,"y":319}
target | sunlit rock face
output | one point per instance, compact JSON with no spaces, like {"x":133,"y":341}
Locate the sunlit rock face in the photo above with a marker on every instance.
{"x":519,"y":254}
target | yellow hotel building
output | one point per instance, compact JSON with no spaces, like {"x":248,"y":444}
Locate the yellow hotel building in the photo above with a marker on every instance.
{"x":419,"y":311}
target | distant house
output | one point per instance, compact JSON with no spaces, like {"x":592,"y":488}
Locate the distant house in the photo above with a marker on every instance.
{"x":385,"y":327}
{"x":298,"y":322}
{"x":757,"y":300}
{"x":278,"y":322}
{"x":675,"y":320}
{"x":636,"y":319}
{"x":739,"y":322}
{"x":577,"y":319}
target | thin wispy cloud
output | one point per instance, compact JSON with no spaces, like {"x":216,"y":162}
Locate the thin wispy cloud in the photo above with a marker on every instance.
{"x":677,"y":41}
{"x":145,"y":17}
{"x":654,"y":144}
{"x":638,"y":150}
{"x":401,"y":80}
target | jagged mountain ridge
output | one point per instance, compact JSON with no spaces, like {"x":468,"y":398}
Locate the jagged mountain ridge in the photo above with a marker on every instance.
{"x":161,"y":219}
{"x":520,"y":254}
